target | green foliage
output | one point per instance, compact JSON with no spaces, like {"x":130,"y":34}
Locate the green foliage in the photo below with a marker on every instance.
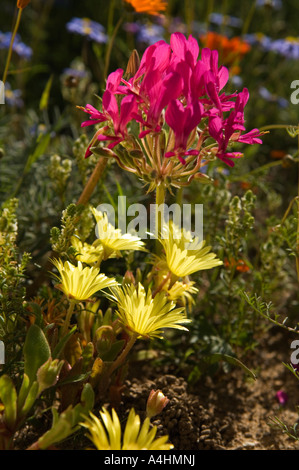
{"x":250,"y":218}
{"x":12,"y":279}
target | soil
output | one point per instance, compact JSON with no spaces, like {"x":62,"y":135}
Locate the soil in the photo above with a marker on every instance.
{"x":227,"y":412}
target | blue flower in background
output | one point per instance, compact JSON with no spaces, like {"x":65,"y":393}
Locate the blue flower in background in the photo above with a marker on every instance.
{"x":23,"y":51}
{"x":85,"y":27}
{"x":149,"y":34}
{"x":276,"y":4}
{"x":13,"y":97}
{"x":268,"y":96}
{"x":288,"y":47}
{"x":146,"y":33}
{"x":75,"y":72}
{"x":226,"y":20}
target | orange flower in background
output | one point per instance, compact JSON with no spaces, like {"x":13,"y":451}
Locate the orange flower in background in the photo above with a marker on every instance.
{"x":277,"y":154}
{"x":152,"y":7}
{"x":239,"y":264}
{"x":230,"y":51}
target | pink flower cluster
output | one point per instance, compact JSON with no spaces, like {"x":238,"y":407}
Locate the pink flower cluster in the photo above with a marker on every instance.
{"x":173,"y":86}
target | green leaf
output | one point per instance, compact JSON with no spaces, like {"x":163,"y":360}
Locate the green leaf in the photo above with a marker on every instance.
{"x":30,"y":399}
{"x":8,"y":396}
{"x":115,"y":349}
{"x":48,"y":373}
{"x":36,"y":351}
{"x":87,"y":355}
{"x":68,"y":421}
{"x":23,"y":392}
{"x":44,"y":101}
{"x":59,"y":348}
{"x":40,"y":149}
{"x":216,"y":357}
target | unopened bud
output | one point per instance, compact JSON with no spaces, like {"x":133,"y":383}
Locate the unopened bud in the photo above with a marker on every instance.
{"x":22,"y":3}
{"x":156,"y":402}
{"x":281,"y":397}
{"x":129,"y":278}
{"x":133,"y":64}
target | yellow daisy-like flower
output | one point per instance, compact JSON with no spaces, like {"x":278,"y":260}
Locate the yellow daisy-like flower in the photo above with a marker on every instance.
{"x":106,"y":434}
{"x":85,"y":252}
{"x":184,"y":255}
{"x":152,"y":7}
{"x":80,"y":283}
{"x":112,"y":240}
{"x":183,"y":291}
{"x":144,"y":315}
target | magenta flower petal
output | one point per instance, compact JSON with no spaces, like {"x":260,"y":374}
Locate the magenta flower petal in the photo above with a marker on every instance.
{"x":113,"y":80}
{"x":281,"y":397}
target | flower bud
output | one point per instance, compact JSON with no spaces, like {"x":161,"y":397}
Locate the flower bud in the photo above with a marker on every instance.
{"x":281,"y":397}
{"x":22,"y":3}
{"x":155,"y":403}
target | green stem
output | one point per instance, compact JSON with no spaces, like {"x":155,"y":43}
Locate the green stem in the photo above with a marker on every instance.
{"x":68,"y":317}
{"x":276,"y":126}
{"x":249,"y":19}
{"x":160,"y":201}
{"x":11,"y":44}
{"x":121,"y":358}
{"x":109,"y":49}
{"x":209,"y":12}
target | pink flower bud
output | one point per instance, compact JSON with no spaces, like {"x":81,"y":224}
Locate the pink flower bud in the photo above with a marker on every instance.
{"x":282,"y":397}
{"x":155,"y":403}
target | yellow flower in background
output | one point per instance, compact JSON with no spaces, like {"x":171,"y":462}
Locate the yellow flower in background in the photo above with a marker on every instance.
{"x":184,"y":255}
{"x":152,"y":7}
{"x":85,"y":252}
{"x":106,"y":434}
{"x":183,"y":291}
{"x":111,"y":239}
{"x":80,"y":283}
{"x":144,"y":315}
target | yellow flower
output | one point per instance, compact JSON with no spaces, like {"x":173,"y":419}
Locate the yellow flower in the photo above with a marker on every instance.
{"x":152,"y":7}
{"x":184,"y":255}
{"x":106,"y":434}
{"x":85,"y":252}
{"x":183,"y":291}
{"x":80,"y":283}
{"x":111,"y":239}
{"x":145,"y":315}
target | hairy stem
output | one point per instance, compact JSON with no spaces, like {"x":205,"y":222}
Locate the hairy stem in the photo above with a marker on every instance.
{"x":93,"y":180}
{"x":11,"y":44}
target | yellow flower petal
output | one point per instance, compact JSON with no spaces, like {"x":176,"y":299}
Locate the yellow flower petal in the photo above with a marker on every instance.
{"x":106,"y":433}
{"x":81,"y":283}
